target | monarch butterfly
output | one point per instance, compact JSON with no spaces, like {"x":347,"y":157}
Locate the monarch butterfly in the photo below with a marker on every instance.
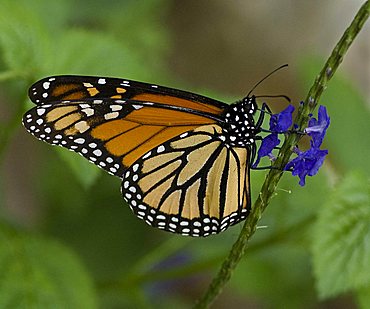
{"x":184,"y":159}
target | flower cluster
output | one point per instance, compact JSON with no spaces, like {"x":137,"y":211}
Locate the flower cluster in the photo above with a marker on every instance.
{"x":307,"y":162}
{"x":279,"y":123}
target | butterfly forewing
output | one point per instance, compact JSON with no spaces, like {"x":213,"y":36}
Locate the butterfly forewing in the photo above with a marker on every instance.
{"x":67,"y":88}
{"x":112,"y":134}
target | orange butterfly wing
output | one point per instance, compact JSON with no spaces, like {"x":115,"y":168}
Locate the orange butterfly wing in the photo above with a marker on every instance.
{"x":129,"y":128}
{"x":73,"y":88}
{"x":121,"y":119}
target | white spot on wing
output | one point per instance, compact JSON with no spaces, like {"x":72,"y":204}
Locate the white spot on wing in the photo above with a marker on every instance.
{"x":116,"y":107}
{"x":160,"y":149}
{"x":111,"y":115}
{"x":88,"y":111}
{"x":135,"y":167}
{"x":40,"y":111}
{"x":79,"y":140}
{"x":148,"y":154}
{"x":97,"y":152}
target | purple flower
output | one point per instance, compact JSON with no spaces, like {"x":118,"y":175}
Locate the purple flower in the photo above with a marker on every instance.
{"x":267,"y":146}
{"x":306,"y":163}
{"x":317,"y":128}
{"x":281,"y":122}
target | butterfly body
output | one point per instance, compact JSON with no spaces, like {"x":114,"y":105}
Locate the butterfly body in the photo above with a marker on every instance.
{"x":241,"y":130}
{"x":183,"y":158}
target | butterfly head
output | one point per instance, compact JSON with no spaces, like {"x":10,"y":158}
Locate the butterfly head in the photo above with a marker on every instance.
{"x":250,"y":105}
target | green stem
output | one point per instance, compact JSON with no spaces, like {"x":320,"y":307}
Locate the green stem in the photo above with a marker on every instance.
{"x":273,"y":177}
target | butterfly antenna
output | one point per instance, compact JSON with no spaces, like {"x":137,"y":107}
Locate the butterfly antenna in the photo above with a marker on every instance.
{"x":267,"y":76}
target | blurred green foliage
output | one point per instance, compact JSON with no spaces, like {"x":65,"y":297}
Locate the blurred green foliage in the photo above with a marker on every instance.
{"x":340,"y":250}
{"x":37,"y":273}
{"x":87,"y":250}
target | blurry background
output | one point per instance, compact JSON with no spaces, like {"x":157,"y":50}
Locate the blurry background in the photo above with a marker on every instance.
{"x":66,"y":235}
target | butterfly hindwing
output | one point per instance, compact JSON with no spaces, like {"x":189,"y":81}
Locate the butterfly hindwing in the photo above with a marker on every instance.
{"x":192,"y":185}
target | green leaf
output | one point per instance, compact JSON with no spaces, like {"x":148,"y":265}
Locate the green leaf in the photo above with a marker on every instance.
{"x":341,"y":239}
{"x":35,"y":44}
{"x":25,"y":36}
{"x":41,"y":273}
{"x":81,"y":52}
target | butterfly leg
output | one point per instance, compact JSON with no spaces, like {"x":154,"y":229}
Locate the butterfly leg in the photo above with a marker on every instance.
{"x":264,"y":109}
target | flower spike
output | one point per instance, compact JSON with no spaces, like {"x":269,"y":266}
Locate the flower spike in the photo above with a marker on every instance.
{"x":307,"y":163}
